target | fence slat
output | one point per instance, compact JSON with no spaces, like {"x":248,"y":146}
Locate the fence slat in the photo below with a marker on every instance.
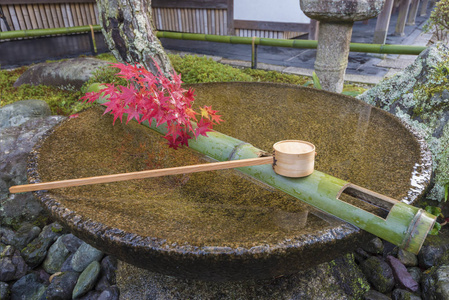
{"x":93,"y":20}
{"x":19,"y":16}
{"x":43,"y":15}
{"x":14,"y":20}
{"x":33,"y":19}
{"x":51,"y":23}
{"x":26,"y":17}
{"x":54,"y":16}
{"x":60,"y":17}
{"x":79,"y":14}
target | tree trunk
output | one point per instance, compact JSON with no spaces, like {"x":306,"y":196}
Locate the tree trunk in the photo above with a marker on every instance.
{"x":130,"y":33}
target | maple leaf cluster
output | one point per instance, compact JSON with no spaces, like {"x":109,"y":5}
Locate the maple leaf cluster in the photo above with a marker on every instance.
{"x":148,"y":96}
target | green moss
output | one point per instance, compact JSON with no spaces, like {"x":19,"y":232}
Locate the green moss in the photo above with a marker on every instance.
{"x":193,"y":69}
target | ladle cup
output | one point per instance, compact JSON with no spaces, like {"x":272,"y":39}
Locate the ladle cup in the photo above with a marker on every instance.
{"x":291,"y":158}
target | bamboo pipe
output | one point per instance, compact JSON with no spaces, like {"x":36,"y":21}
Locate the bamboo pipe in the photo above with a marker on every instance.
{"x":405,"y":226}
{"x":141,"y":174}
{"x":43,"y":32}
{"x":304,"y":44}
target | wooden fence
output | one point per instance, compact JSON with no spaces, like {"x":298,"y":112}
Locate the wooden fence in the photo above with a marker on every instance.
{"x":192,"y":16}
{"x":39,"y":14}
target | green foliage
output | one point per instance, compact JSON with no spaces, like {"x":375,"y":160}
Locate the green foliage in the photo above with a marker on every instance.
{"x":436,"y":211}
{"x":104,"y":74}
{"x":273,"y":76}
{"x":193,"y":69}
{"x":196,"y":69}
{"x":439,"y":20}
{"x":316,"y":81}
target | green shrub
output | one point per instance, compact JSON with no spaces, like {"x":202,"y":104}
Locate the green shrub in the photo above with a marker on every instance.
{"x":439,"y":20}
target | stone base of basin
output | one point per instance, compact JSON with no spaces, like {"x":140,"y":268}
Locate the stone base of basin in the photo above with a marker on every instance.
{"x":222,"y":225}
{"x":339,"y":279}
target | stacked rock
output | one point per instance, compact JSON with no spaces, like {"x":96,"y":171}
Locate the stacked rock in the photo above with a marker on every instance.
{"x":40,"y":259}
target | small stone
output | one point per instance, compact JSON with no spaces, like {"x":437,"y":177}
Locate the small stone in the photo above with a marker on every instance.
{"x":61,"y":287}
{"x":7,"y":235}
{"x":374,"y":246}
{"x":36,"y":251}
{"x":442,"y":282}
{"x":360,"y":255}
{"x":375,"y":295}
{"x":429,"y":255}
{"x":26,"y":233}
{"x":102,"y":283}
{"x":111,"y":293}
{"x":56,"y":256}
{"x":27,"y":288}
{"x":402,"y":276}
{"x":85,"y":255}
{"x":416,"y":273}
{"x":399,"y":294}
{"x":109,"y":268}
{"x":87,"y":279}
{"x":19,"y":112}
{"x":378,"y":273}
{"x":408,"y":259}
{"x":71,"y":242}
{"x":67,"y":265}
{"x":92,"y":295}
{"x":12,"y":265}
{"x":42,"y":276}
{"x":5,"y":293}
{"x":64,"y":74}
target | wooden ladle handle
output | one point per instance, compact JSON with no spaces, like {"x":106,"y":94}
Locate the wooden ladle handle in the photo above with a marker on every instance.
{"x":142,"y":174}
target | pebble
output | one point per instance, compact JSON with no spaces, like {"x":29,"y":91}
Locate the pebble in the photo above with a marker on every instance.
{"x":85,"y":255}
{"x":111,"y":293}
{"x":5,"y":293}
{"x":87,"y":279}
{"x":378,"y":273}
{"x":36,"y":251}
{"x":375,"y":295}
{"x":26,"y":233}
{"x":402,"y":276}
{"x":27,"y":288}
{"x":374,"y":246}
{"x":71,"y":242}
{"x":12,"y":265}
{"x":400,"y":294}
{"x":57,"y":254}
{"x":407,"y":258}
{"x":429,"y":255}
{"x":61,"y":286}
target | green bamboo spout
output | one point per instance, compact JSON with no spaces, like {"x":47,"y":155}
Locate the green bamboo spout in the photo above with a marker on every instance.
{"x":405,"y":226}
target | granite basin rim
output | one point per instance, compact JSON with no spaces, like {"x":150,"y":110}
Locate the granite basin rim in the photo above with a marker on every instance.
{"x":212,"y":263}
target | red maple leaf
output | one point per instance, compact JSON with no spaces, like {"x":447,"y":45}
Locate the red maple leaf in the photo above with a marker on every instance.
{"x":150,"y":97}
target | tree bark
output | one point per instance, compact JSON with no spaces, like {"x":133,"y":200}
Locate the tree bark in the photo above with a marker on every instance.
{"x":130,"y":33}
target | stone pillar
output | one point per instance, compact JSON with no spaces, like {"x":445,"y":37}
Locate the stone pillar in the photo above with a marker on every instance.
{"x":383,"y":22}
{"x":336,"y":19}
{"x":332,"y":54}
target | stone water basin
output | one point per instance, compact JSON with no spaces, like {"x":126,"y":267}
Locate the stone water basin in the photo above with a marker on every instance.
{"x":223,"y":225}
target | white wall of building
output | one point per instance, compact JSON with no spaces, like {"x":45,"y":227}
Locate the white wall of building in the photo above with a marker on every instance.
{"x":269,"y":10}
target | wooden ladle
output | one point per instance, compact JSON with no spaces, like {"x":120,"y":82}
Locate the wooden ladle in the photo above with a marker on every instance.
{"x":291,"y":158}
